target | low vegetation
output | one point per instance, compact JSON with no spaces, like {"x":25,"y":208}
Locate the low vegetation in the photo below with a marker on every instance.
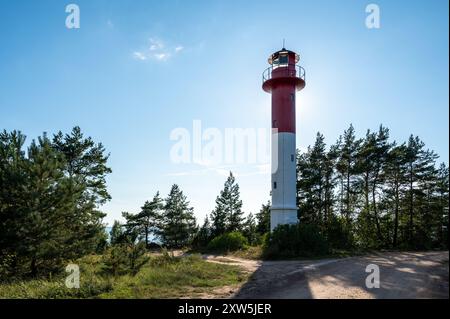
{"x":228,"y":242}
{"x":162,"y":276}
{"x":288,"y":241}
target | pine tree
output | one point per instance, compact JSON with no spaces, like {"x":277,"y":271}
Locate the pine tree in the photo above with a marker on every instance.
{"x":124,"y":258}
{"x":150,"y":217}
{"x":85,"y":160}
{"x":47,"y":235}
{"x":233,"y":204}
{"x":203,"y":235}
{"x":442,"y":207}
{"x":49,"y":199}
{"x":426,"y":217}
{"x":227,"y":215}
{"x":13,"y":180}
{"x":263,"y":219}
{"x":117,"y":233}
{"x":363,"y":169}
{"x":178,"y":221}
{"x":317,"y":159}
{"x":132,"y":229}
{"x":420,"y":163}
{"x":305,"y":183}
{"x":372,"y":157}
{"x":219,"y":220}
{"x":330,"y":178}
{"x":346,"y":166}
{"x":249,"y":230}
{"x":315,"y":182}
{"x":85,"y":164}
{"x":399,"y":197}
{"x":148,"y":222}
{"x":395,"y":177}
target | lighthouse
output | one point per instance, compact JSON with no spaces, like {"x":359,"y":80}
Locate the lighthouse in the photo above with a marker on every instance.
{"x":282,"y":79}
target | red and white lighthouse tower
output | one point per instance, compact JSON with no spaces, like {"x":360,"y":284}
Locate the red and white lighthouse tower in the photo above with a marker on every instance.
{"x":282,"y":79}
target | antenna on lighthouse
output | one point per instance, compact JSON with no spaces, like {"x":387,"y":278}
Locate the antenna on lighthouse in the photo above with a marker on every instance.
{"x":283,"y":44}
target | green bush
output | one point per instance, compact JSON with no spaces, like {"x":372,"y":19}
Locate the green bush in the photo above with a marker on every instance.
{"x":166,"y":258}
{"x":338,"y":234}
{"x":6,"y":268}
{"x":124,"y":258}
{"x":290,"y":241}
{"x":228,"y":242}
{"x":115,"y":261}
{"x":254,"y":238}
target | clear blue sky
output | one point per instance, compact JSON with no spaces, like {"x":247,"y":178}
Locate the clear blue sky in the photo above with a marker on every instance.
{"x":136,"y":70}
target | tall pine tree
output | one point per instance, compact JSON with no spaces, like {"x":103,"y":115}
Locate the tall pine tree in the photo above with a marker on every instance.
{"x":263,"y":219}
{"x":178,"y":222}
{"x":227,"y":215}
{"x":49,"y":200}
{"x":147,"y":223}
{"x":346,"y":167}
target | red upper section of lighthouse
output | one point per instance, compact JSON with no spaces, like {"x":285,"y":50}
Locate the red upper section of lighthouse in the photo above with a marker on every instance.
{"x":282,"y":79}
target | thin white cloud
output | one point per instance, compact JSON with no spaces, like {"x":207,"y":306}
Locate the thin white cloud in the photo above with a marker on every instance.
{"x":157,"y":50}
{"x":139,"y":56}
{"x":110,"y":24}
{"x":161,"y":56}
{"x":156,"y":44}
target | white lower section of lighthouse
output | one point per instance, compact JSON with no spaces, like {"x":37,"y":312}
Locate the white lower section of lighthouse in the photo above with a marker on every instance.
{"x":284,"y":206}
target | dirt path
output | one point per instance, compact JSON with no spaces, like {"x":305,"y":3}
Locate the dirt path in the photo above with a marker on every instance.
{"x":402,"y":275}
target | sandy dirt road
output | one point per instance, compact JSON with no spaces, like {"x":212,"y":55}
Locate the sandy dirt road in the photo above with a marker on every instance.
{"x":402,"y":275}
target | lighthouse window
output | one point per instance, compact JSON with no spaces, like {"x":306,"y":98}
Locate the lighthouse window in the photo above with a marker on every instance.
{"x":283,"y":59}
{"x":292,"y":157}
{"x":274,"y":185}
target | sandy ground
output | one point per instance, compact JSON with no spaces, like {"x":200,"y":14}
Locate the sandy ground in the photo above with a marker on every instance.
{"x":402,"y":275}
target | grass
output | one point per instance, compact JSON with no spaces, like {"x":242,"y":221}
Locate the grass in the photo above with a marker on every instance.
{"x":161,"y":277}
{"x":250,"y":252}
{"x":257,"y":253}
{"x":247,"y":252}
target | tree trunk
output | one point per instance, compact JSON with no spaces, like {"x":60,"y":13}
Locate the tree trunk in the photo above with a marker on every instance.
{"x":394,"y":243}
{"x":411,"y":206}
{"x":366,"y":191}
{"x":348,"y":196}
{"x":342,"y":195}
{"x":443,"y":203}
{"x":327,"y":195}
{"x":320,"y":203}
{"x":146,"y":237}
{"x":375,"y":211}
{"x":33,"y":267}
